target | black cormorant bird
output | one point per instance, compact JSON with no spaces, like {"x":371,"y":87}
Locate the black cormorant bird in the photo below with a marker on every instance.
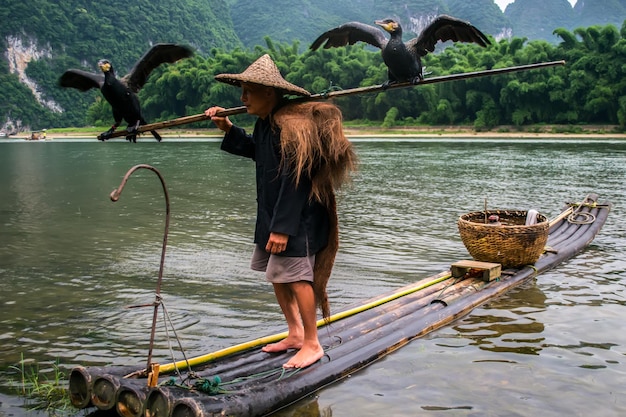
{"x":403,"y":60}
{"x":122,"y":93}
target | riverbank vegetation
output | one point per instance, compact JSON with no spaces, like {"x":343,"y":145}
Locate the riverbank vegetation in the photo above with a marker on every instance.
{"x":43,"y":390}
{"x":588,"y":90}
{"x":355,"y":130}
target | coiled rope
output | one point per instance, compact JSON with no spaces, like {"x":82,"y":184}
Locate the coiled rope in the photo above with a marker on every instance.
{"x":579,"y":217}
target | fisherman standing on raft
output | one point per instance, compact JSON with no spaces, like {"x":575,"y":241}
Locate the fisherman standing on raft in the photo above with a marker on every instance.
{"x":302,"y":156}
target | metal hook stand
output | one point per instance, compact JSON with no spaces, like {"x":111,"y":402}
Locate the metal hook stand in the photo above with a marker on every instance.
{"x":115,"y":195}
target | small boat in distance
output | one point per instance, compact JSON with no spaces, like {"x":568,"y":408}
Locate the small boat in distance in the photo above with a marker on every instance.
{"x":38,"y":135}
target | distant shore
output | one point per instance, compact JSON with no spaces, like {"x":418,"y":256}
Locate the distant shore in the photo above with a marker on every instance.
{"x":396,"y":132}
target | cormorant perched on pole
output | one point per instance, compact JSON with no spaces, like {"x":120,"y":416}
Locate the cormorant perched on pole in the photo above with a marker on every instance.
{"x":122,"y":93}
{"x":403,"y":60}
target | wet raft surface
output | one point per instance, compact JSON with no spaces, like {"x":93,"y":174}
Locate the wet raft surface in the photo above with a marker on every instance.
{"x":253,"y":383}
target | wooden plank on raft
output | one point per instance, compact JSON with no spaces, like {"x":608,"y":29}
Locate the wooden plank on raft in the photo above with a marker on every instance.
{"x":490,"y":270}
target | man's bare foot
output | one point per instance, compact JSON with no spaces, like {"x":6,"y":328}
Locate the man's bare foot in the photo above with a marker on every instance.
{"x":307,"y":356}
{"x":282,"y":346}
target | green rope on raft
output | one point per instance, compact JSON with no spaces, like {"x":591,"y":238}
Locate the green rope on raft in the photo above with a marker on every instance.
{"x":209,"y":386}
{"x":171,"y":382}
{"x":215,"y":385}
{"x":206,"y":385}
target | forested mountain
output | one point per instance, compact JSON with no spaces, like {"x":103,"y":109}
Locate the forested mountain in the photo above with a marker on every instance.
{"x":286,"y":21}
{"x":593,"y":12}
{"x":537,"y":19}
{"x":484,"y":14}
{"x":123,"y":29}
{"x":41,"y":39}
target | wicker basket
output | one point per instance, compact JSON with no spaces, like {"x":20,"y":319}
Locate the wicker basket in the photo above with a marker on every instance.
{"x":513,"y":244}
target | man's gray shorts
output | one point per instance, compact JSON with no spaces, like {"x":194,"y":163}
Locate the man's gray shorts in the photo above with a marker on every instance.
{"x":283,"y":269}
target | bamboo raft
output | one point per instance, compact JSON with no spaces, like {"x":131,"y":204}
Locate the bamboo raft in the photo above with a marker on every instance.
{"x":244,"y":381}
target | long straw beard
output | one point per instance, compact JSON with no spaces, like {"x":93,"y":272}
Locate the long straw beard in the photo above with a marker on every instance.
{"x":314,"y":146}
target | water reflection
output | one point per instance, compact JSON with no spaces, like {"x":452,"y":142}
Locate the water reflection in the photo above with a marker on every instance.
{"x":508,"y":324}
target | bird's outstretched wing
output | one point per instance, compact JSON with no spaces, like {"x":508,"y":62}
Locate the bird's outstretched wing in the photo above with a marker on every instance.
{"x":81,"y":80}
{"x":349,"y":34}
{"x":159,"y":54}
{"x":446,"y":28}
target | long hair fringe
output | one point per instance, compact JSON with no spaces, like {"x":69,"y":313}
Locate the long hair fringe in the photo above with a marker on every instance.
{"x":314,"y":146}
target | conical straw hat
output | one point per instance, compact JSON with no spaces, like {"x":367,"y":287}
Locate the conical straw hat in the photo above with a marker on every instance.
{"x":263,"y":71}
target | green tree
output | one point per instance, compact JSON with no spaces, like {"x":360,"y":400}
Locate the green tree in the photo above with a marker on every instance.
{"x":390,"y":117}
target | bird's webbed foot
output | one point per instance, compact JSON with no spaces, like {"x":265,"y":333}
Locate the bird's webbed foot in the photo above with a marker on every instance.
{"x":107,"y":135}
{"x":419,"y":77}
{"x":132,"y":137}
{"x":388,"y":83}
{"x":416,"y":79}
{"x":131,"y":130}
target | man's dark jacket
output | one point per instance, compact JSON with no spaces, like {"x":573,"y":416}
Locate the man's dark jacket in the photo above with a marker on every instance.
{"x":282,"y":206}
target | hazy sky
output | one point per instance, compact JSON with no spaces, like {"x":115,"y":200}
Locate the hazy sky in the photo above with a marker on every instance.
{"x":504,"y":3}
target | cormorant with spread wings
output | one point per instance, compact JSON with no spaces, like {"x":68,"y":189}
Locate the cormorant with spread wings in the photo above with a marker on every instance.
{"x":403,"y":60}
{"x":122,"y":93}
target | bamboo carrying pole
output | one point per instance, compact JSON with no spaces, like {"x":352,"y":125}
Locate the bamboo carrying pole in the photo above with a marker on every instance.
{"x":350,"y":91}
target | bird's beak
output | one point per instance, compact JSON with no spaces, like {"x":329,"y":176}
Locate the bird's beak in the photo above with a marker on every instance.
{"x":385,"y":25}
{"x":104,"y":66}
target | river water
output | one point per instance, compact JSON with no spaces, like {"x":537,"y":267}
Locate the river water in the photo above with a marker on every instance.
{"x":71,"y":261}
